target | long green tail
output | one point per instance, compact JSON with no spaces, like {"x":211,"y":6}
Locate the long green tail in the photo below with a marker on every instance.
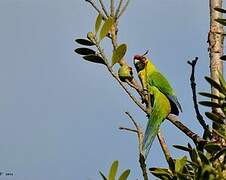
{"x":151,"y":131}
{"x":161,"y":108}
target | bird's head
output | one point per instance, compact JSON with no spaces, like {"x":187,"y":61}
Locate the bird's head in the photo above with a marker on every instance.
{"x":140,"y":62}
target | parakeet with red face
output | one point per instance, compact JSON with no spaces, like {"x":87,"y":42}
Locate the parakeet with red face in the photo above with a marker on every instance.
{"x":163,"y":98}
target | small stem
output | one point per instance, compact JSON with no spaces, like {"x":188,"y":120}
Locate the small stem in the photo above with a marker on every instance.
{"x":193,"y":87}
{"x":140,"y":141}
{"x":96,"y":8}
{"x":139,"y":131}
{"x":128,"y":129}
{"x":103,"y":8}
{"x":143,"y":166}
{"x":112,"y":8}
{"x":196,"y":138}
{"x":123,"y":9}
{"x":118,"y":8}
{"x":117,"y":78}
{"x":164,"y":148}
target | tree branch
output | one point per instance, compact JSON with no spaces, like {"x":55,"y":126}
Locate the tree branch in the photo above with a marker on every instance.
{"x":112,"y":8}
{"x":164,"y":148}
{"x":118,"y":8}
{"x":128,"y":129}
{"x":103,"y":8}
{"x":196,"y":138}
{"x":117,"y":78}
{"x":123,"y":9}
{"x":193,"y":87}
{"x":143,"y":166}
{"x":140,"y":142}
{"x":96,"y":8}
{"x":139,"y":131}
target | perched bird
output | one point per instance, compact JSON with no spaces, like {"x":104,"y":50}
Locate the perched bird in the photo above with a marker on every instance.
{"x":163,"y":98}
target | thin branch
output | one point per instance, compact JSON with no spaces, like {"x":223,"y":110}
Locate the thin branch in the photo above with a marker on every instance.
{"x":193,"y":87}
{"x":112,"y":7}
{"x":128,"y":129}
{"x":118,"y":8}
{"x":164,"y":148}
{"x":103,"y":8}
{"x":133,"y":120}
{"x":195,"y":137}
{"x":140,"y":141}
{"x":123,"y":9}
{"x":139,"y":131}
{"x":117,"y":78}
{"x":143,"y":166}
{"x":96,"y":8}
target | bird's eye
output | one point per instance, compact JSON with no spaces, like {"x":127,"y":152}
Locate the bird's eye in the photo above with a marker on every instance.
{"x":143,"y":58}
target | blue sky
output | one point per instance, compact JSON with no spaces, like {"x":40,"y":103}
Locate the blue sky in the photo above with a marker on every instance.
{"x":59,"y":114}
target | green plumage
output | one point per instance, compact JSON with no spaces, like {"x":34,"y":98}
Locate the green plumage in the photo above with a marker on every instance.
{"x":164,"y":100}
{"x":160,"y":110}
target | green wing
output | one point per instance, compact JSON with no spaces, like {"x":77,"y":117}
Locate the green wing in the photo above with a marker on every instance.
{"x":158,"y":80}
{"x":161,"y":108}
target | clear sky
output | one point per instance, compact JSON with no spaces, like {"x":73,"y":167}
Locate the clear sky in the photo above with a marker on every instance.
{"x":59,"y":114}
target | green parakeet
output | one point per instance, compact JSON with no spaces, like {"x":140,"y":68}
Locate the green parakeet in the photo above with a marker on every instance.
{"x":163,"y":98}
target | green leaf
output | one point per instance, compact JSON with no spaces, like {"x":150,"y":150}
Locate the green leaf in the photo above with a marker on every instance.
{"x":214,"y":117}
{"x":84,"y":42}
{"x":94,"y":59}
{"x":219,"y":133}
{"x":214,"y":83}
{"x":161,"y":173}
{"x":210,"y":104}
{"x":124,"y":175}
{"x":218,"y":154}
{"x":223,"y":57}
{"x":203,"y":158}
{"x":212,"y":147}
{"x":84,"y":51}
{"x":194,"y":156}
{"x":221,"y":21}
{"x":113,"y":170}
{"x":106,"y":27}
{"x":222,"y":82}
{"x":183,"y":148}
{"x":220,"y":10}
{"x":98,"y":22}
{"x":210,"y":95}
{"x":180,"y":163}
{"x":102,"y":175}
{"x":119,"y":53}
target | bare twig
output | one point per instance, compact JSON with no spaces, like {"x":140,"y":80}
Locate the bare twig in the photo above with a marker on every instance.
{"x":117,"y":78}
{"x":118,"y":8}
{"x":193,"y":87}
{"x":103,"y":8}
{"x":123,"y":9}
{"x":164,"y":148}
{"x":112,"y":7}
{"x":128,"y":129}
{"x":96,"y":8}
{"x":139,"y":131}
{"x":196,"y":138}
{"x":143,"y":166}
{"x":140,"y":141}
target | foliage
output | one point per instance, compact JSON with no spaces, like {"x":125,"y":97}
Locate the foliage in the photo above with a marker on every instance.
{"x":113,"y":172}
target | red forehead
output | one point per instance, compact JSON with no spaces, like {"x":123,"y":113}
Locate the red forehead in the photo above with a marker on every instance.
{"x":138,"y":57}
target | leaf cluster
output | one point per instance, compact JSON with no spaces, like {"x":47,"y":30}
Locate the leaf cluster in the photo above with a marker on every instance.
{"x":113,"y":172}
